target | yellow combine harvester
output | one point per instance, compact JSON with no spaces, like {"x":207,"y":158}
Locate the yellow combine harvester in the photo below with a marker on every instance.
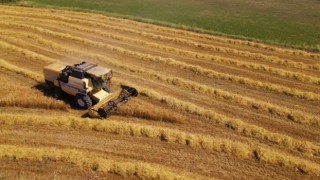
{"x":89,"y":84}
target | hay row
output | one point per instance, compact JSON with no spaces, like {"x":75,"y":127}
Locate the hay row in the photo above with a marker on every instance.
{"x":237,"y":125}
{"x":182,"y":65}
{"x":217,"y":59}
{"x":27,"y":53}
{"x":39,"y":39}
{"x":213,"y":144}
{"x":295,"y":116}
{"x":23,"y":96}
{"x":242,"y":128}
{"x":27,"y":73}
{"x":84,"y":160}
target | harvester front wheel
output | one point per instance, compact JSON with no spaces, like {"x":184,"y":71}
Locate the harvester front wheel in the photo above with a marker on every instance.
{"x":83,"y":101}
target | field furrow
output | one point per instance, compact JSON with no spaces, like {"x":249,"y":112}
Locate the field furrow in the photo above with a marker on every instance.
{"x":184,"y":66}
{"x":244,"y":54}
{"x":194,"y":141}
{"x":32,"y":36}
{"x":283,"y":139}
{"x":229,"y":61}
{"x":299,"y":117}
{"x":208,"y":106}
{"x":227,"y":123}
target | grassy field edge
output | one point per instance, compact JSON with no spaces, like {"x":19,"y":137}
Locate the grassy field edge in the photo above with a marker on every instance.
{"x":165,"y":24}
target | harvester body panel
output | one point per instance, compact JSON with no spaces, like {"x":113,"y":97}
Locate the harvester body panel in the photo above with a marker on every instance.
{"x":100,"y":95}
{"x":53,"y":71}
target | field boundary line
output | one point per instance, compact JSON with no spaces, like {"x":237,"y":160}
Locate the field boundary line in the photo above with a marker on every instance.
{"x":217,"y":59}
{"x":247,"y":54}
{"x":228,"y":40}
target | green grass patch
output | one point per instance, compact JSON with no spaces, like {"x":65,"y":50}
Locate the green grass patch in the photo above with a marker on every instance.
{"x":8,"y":1}
{"x":293,"y":23}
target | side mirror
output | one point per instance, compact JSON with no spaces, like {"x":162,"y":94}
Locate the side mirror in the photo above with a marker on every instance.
{"x":110,"y":74}
{"x":85,"y":85}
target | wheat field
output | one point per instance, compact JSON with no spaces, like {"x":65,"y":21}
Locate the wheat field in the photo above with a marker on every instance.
{"x":209,"y":107}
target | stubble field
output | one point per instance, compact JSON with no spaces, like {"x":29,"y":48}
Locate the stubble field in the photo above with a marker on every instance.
{"x":209,"y":107}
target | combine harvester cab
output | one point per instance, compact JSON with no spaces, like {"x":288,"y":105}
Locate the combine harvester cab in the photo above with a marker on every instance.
{"x":90,"y":86}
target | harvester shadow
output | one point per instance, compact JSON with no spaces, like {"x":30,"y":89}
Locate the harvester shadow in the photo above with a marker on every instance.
{"x":48,"y":91}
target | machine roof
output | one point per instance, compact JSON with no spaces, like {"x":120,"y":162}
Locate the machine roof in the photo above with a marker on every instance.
{"x":98,"y":71}
{"x":85,"y":66}
{"x":58,"y":66}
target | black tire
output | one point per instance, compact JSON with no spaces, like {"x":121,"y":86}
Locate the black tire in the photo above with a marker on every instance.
{"x":102,"y":113}
{"x":57,"y":93}
{"x":83,"y":101}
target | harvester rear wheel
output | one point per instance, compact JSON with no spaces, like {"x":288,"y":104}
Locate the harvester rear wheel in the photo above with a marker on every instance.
{"x":83,"y":101}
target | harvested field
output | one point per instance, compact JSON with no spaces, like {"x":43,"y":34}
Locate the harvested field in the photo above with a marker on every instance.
{"x":209,"y":107}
